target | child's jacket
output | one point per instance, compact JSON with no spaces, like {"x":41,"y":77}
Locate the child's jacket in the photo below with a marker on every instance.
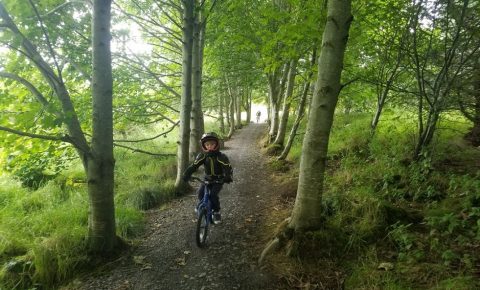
{"x":216,"y":164}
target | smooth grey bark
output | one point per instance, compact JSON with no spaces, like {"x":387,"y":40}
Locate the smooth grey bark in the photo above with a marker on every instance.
{"x":221,"y":114}
{"x":100,"y":173}
{"x":186,"y":101}
{"x":231,"y":107}
{"x":197,"y":123}
{"x":276,"y":83}
{"x":300,"y":110}
{"x":306,"y":214}
{"x":248,"y":105}
{"x":238,"y":110}
{"x":287,"y":100}
{"x":231,"y":116}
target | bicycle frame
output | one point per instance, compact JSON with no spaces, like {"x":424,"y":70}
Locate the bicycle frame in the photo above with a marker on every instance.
{"x":204,"y":213}
{"x":205,"y":203}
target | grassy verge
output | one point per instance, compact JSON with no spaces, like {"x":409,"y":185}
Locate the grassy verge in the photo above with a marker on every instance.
{"x":398,"y":224}
{"x":42,"y":232}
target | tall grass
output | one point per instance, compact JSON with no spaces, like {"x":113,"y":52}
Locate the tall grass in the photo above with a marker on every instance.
{"x":42,"y":232}
{"x":421,"y":217}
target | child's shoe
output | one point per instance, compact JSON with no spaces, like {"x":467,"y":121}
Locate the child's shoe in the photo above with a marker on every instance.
{"x":217,"y":218}
{"x":197,"y":206}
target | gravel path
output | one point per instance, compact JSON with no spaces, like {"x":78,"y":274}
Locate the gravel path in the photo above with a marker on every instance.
{"x":168,"y":258}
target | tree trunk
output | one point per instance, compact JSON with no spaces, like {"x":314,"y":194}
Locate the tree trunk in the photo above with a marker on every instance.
{"x":238,"y":109}
{"x":248,"y":107}
{"x":306,"y":214}
{"x":100,"y":170}
{"x":426,"y":136}
{"x":186,"y":102}
{"x":389,"y":75}
{"x":197,"y":122}
{"x":382,"y":99}
{"x":275,"y":93}
{"x":300,"y":111}
{"x":98,"y":160}
{"x":231,"y":107}
{"x":282,"y":129}
{"x":221,"y":114}
{"x":474,"y":134}
{"x":435,"y":81}
{"x":231,"y":115}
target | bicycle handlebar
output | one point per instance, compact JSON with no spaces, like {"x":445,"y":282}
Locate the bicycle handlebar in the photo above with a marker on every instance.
{"x":205,"y":181}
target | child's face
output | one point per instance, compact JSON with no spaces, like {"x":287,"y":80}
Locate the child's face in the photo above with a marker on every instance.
{"x":210,"y":145}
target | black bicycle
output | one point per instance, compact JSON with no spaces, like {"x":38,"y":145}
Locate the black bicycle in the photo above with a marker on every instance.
{"x":204,"y":212}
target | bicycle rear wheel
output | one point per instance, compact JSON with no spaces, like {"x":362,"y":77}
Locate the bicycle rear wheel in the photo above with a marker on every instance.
{"x":202,"y":228}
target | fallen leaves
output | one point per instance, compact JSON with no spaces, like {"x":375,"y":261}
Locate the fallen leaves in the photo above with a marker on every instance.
{"x":140,"y":260}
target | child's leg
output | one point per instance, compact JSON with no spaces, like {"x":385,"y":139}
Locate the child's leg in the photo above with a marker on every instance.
{"x":201,"y":192}
{"x":214,"y":197}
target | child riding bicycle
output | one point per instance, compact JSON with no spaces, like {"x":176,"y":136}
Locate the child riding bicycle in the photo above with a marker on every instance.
{"x":217,"y":169}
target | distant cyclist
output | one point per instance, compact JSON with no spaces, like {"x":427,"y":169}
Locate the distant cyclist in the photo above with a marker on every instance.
{"x":258,"y":116}
{"x":217,"y":168}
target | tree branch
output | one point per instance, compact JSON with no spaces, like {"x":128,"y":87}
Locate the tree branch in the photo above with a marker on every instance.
{"x":65,"y":138}
{"x":40,"y":97}
{"x":49,"y":43}
{"x":143,"y":151}
{"x":150,"y":138}
{"x":63,"y":5}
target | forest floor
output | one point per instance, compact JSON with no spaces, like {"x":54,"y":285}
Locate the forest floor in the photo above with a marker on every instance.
{"x":167,"y":257}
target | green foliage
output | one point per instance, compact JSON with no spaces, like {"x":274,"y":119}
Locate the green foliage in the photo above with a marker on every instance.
{"x":279,"y":165}
{"x":148,"y":197}
{"x":42,"y":231}
{"x":38,"y":163}
{"x":59,"y":257}
{"x":459,"y":282}
{"x":421,"y":217}
{"x":366,"y":274}
{"x":129,"y":221}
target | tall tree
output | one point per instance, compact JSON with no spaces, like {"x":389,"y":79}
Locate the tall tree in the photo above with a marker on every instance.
{"x":197,"y":126}
{"x":276,"y":84}
{"x":186,"y":102}
{"x":307,"y":210}
{"x":101,"y":163}
{"x":287,"y":100}
{"x":97,"y":157}
{"x":301,"y":108}
{"x":469,"y":102}
{"x":438,"y":62}
{"x":306,"y":214}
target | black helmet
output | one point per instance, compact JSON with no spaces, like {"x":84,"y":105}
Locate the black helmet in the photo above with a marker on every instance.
{"x":210,"y":136}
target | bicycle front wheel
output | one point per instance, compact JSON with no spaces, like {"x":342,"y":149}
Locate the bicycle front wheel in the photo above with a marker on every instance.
{"x":202,"y":227}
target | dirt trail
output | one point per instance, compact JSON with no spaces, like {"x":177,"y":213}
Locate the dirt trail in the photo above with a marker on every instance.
{"x":168,"y":258}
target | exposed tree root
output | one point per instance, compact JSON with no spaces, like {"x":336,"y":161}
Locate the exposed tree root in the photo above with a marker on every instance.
{"x":283,"y":236}
{"x":271,"y":246}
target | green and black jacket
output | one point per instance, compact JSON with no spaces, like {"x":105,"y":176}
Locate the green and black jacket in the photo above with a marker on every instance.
{"x":216,"y":164}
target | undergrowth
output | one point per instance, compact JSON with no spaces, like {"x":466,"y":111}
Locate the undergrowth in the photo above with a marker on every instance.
{"x":406,"y":224}
{"x":43,"y":231}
